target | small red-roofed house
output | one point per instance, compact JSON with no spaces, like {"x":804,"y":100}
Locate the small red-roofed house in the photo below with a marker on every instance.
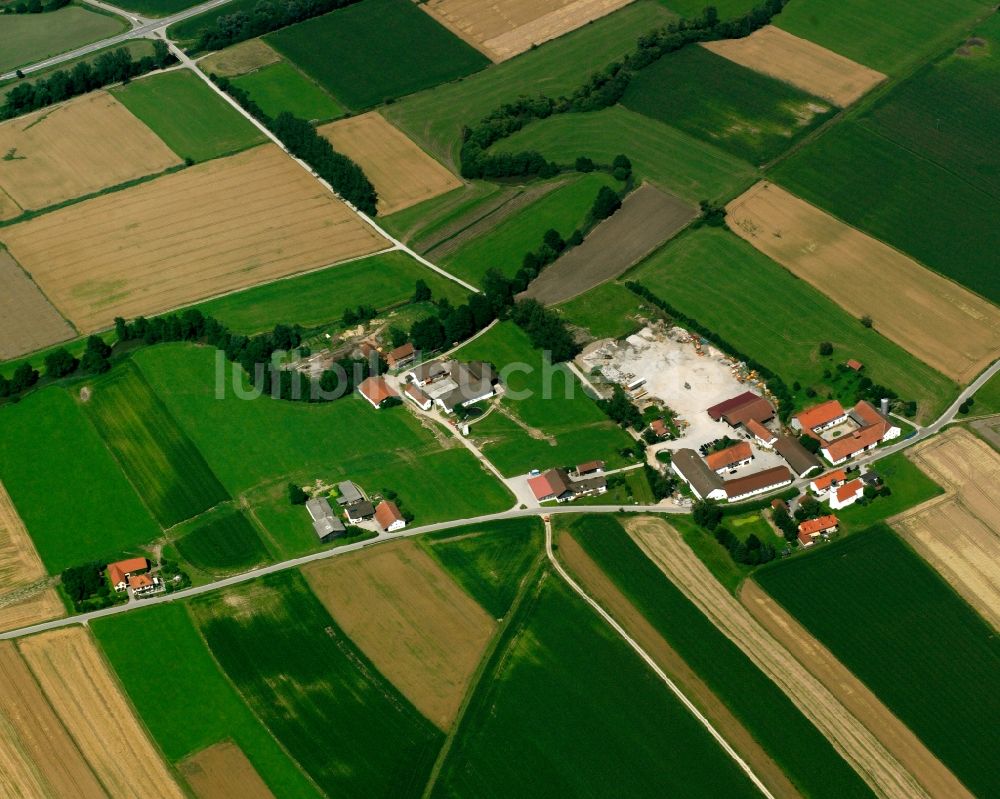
{"x":847,"y":494}
{"x":811,"y":529}
{"x":401,"y":356}
{"x":828,"y":481}
{"x":121,"y":571}
{"x":819,"y":417}
{"x":418,"y":397}
{"x":388,"y":517}
{"x":764,"y":437}
{"x":730,"y":458}
{"x":856,"y":365}
{"x":376,"y":390}
{"x":553,"y":484}
{"x":659,"y":428}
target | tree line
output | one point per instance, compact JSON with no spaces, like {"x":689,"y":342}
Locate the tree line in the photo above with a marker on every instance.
{"x":118,"y":66}
{"x":58,"y":364}
{"x":265,"y":16}
{"x":752,"y":552}
{"x":35,"y":7}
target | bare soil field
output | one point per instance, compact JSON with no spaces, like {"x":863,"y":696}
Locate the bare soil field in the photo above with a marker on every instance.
{"x":851,"y":736}
{"x":937,"y":780}
{"x":959,"y":533}
{"x":989,"y":429}
{"x":37,"y":756}
{"x":223,"y":225}
{"x":86,"y":697}
{"x":25,"y":595}
{"x":222,"y":771}
{"x":943,"y":324}
{"x":647,"y":218}
{"x":28,"y":322}
{"x":402,"y":173}
{"x":77,"y":148}
{"x":240,"y":58}
{"x":802,"y":63}
{"x":420,"y":629}
{"x":597,"y":584}
{"x":506,"y":28}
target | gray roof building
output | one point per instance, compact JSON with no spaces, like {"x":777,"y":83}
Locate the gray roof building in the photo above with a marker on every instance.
{"x":693,"y":470}
{"x":796,"y":456}
{"x":359,"y":511}
{"x":349,"y":493}
{"x":325,"y":523}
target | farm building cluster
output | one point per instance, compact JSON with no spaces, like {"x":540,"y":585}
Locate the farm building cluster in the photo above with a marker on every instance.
{"x":563,"y":485}
{"x":357,"y":509}
{"x":132,"y":575}
{"x":447,"y":385}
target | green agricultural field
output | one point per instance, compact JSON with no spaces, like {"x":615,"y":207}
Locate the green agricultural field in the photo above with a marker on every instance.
{"x":606,"y":311}
{"x":715,"y":557}
{"x":893,"y":621}
{"x":713,"y":276}
{"x":405,"y":50}
{"x":753,"y":116}
{"x":351,"y":731}
{"x":813,"y":765}
{"x":564,"y":209}
{"x":73,"y":498}
{"x":157,"y":8}
{"x":191,"y":119}
{"x":281,"y":87}
{"x":908,"y":484}
{"x":165,"y":467}
{"x":186,"y":676}
{"x":320,"y":298}
{"x":889,"y":36}
{"x":754,"y":523}
{"x":489,"y":561}
{"x":27,"y":38}
{"x":577,"y":427}
{"x":692,"y":169}
{"x":906,"y":201}
{"x":224,"y":542}
{"x":425,"y":224}
{"x":435,"y":118}
{"x":987,"y":399}
{"x":586,"y":716}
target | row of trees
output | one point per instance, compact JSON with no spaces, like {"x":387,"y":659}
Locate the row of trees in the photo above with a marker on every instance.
{"x":118,"y":66}
{"x":35,"y":6}
{"x":752,"y":552}
{"x":59,"y":363}
{"x":265,"y":16}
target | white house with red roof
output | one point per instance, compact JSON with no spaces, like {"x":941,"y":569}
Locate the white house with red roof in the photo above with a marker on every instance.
{"x":376,"y":390}
{"x":764,"y":437}
{"x":872,"y":429}
{"x":846,"y":495}
{"x":820,"y":417}
{"x":388,"y":517}
{"x":811,"y":529}
{"x":827,"y":482}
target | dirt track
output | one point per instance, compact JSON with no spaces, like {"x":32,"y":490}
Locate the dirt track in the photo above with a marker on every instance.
{"x":28,"y":322}
{"x":647,"y":218}
{"x":419,"y":628}
{"x":597,"y":584}
{"x":802,"y":63}
{"x":222,"y":771}
{"x":941,"y":323}
{"x":959,"y":533}
{"x":848,"y":735}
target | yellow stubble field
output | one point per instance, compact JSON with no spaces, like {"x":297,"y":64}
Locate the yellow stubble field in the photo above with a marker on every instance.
{"x":222,"y":771}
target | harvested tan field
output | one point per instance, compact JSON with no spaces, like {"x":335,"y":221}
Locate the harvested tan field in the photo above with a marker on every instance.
{"x":802,"y":63}
{"x":222,"y":771}
{"x":852,"y":736}
{"x":419,"y":628}
{"x":596,"y":583}
{"x":8,"y":208}
{"x":223,"y":225}
{"x":402,"y":173}
{"x":240,"y":58}
{"x":943,"y":324}
{"x":77,"y":148}
{"x":25,"y":594}
{"x":85,"y":695}
{"x":937,"y":780}
{"x":28,"y":322}
{"x":37,"y":756}
{"x":959,"y":533}
{"x":505,"y":28}
{"x":647,"y":218}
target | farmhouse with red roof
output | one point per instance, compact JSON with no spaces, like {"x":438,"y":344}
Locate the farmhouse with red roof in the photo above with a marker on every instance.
{"x":811,"y":529}
{"x":376,"y":390}
{"x":730,"y":458}
{"x":828,"y":481}
{"x":847,"y":494}
{"x":388,"y":517}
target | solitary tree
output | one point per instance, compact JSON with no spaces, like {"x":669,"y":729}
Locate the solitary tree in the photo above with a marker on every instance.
{"x":825,"y":348}
{"x":866,"y":320}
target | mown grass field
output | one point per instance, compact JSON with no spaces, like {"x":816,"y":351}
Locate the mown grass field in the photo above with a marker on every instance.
{"x":691,"y":9}
{"x":488,"y":561}
{"x":426,"y":223}
{"x":163,"y":464}
{"x":435,"y":118}
{"x":713,"y":276}
{"x":888,"y":36}
{"x":186,"y":676}
{"x":902,"y":630}
{"x":281,"y":87}
{"x":320,"y":298}
{"x":813,"y":765}
{"x":405,"y":50}
{"x":610,"y":726}
{"x":504,"y":247}
{"x":692,"y":169}
{"x":606,"y":311}
{"x":191,"y":119}
{"x":224,"y":542}
{"x":579,"y":428}
{"x":68,"y":489}
{"x":751,"y":115}
{"x":27,"y":38}
{"x":351,"y":731}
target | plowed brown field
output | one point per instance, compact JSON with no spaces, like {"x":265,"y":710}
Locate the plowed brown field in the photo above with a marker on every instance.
{"x":85,"y":695}
{"x":504,"y":28}
{"x":802,"y":63}
{"x":402,"y":173}
{"x":28,"y":322}
{"x":222,"y":771}
{"x":25,"y":595}
{"x":959,"y":533}
{"x":851,"y":736}
{"x":419,"y":628}
{"x":240,"y":58}
{"x":220,"y":226}
{"x":943,"y":324}
{"x":76,"y":148}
